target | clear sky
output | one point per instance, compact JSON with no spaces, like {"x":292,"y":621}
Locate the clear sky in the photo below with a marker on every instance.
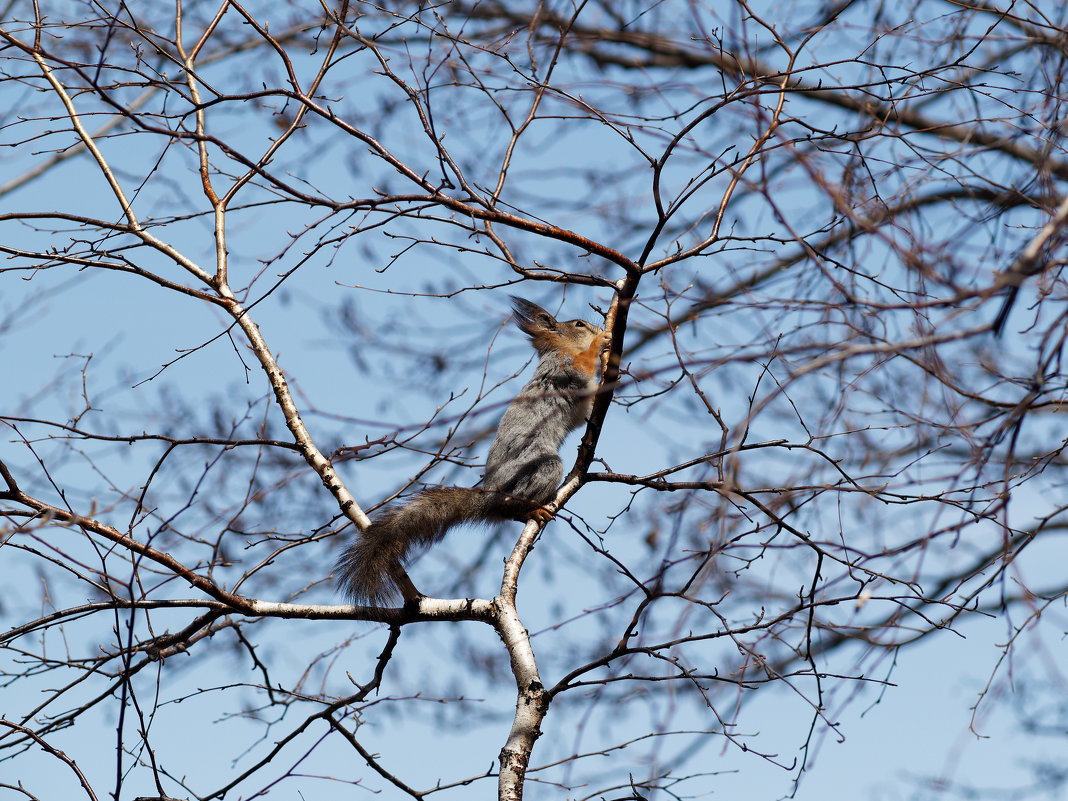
{"x":358,"y":311}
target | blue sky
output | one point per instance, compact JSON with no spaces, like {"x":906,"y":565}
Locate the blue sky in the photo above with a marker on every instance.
{"x":368,"y":351}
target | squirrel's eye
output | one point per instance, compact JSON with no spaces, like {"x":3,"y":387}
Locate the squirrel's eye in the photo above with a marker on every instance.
{"x":579,"y":324}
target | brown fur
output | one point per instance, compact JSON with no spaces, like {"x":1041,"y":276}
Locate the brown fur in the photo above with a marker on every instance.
{"x":586,"y":360}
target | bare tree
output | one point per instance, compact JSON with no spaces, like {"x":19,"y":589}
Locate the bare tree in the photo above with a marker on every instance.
{"x":256,"y":287}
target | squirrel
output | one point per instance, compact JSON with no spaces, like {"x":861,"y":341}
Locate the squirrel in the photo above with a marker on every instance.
{"x":523,"y":469}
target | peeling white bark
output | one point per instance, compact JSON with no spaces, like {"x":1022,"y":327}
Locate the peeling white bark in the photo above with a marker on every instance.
{"x":532,"y":702}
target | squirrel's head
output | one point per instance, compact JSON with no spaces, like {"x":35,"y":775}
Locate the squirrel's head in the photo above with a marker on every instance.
{"x":548,"y":335}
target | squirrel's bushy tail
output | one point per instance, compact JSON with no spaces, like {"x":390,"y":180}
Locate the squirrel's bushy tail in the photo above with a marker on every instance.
{"x":371,"y":569}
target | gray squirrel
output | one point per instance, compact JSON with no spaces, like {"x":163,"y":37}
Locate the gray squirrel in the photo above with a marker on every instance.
{"x":523,"y":469}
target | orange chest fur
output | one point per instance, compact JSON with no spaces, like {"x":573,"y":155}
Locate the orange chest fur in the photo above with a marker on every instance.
{"x":586,"y":360}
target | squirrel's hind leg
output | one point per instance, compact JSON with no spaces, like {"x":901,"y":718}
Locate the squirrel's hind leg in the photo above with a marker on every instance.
{"x":403,"y":583}
{"x":541,"y":514}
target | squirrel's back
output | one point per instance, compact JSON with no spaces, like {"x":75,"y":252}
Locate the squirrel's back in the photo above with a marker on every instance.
{"x":523,"y":469}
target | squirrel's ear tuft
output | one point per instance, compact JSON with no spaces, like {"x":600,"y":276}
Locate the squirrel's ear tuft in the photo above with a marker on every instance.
{"x":532,"y":318}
